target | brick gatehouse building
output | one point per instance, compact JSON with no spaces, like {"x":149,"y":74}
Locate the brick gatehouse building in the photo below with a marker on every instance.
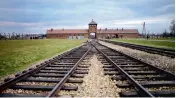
{"x":91,"y":32}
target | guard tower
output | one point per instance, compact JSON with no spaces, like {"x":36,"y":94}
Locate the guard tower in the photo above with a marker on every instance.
{"x":92,"y":30}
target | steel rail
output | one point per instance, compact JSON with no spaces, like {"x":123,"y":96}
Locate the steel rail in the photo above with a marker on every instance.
{"x":32,"y":71}
{"x":139,"y":45}
{"x":160,"y":51}
{"x":61,"y":83}
{"x":139,"y":88}
{"x":171,"y":75}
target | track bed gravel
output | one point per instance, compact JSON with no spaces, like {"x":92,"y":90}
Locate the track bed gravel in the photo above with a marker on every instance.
{"x":96,"y":84}
{"x":163,"y":62}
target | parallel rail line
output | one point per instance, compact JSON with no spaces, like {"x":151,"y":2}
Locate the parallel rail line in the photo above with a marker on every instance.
{"x":57,"y":70}
{"x":153,"y":50}
{"x":138,"y":78}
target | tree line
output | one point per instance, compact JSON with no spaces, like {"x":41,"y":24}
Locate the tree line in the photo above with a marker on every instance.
{"x":172,"y":30}
{"x":17,"y":36}
{"x":164,"y":34}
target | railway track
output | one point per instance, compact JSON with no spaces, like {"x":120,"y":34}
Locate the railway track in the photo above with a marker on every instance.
{"x":134,"y":77}
{"x":48,"y":78}
{"x":137,"y":78}
{"x":160,"y":51}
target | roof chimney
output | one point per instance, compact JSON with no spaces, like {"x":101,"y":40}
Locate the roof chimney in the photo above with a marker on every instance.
{"x":51,"y":29}
{"x":100,"y":29}
{"x":63,"y":29}
{"x":117,"y":29}
{"x":105,"y":29}
{"x":122,"y":29}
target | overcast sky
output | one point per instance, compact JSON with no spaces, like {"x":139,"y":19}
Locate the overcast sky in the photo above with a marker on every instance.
{"x":36,"y":16}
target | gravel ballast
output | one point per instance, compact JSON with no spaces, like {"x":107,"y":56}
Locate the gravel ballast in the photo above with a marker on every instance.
{"x":163,"y":62}
{"x":96,"y":84}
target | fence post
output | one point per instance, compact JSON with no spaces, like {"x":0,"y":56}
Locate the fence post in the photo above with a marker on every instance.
{"x":0,"y":36}
{"x":22,"y":36}
{"x":5,"y":36}
{"x":9,"y":36}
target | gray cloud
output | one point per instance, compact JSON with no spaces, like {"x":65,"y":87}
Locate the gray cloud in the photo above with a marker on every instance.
{"x":40,"y":15}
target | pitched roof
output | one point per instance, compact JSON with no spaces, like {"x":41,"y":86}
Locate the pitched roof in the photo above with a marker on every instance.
{"x":92,"y":22}
{"x":67,"y":31}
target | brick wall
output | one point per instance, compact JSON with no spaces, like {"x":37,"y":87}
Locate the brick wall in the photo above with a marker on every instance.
{"x":86,"y":35}
{"x":64,"y":36}
{"x":121,"y":35}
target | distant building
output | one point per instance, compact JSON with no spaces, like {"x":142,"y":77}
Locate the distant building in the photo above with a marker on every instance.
{"x":91,"y":32}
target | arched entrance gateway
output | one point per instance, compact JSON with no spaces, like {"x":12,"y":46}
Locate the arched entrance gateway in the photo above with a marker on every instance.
{"x":92,"y":35}
{"x":92,"y":30}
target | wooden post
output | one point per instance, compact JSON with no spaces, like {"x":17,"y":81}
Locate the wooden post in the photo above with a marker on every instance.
{"x":0,"y":36}
{"x":13,"y":35}
{"x":5,"y":36}
{"x":22,"y":36}
{"x":144,"y":31}
{"x":9,"y":36}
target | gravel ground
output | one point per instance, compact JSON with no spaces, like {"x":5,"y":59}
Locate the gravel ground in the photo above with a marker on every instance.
{"x":163,"y":62}
{"x":96,"y":84}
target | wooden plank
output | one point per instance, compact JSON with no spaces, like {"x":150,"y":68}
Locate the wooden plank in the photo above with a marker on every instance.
{"x":61,"y":66}
{"x":19,"y":95}
{"x":42,"y":88}
{"x":142,"y":73}
{"x":56,"y":68}
{"x":143,"y":77}
{"x":50,"y":80}
{"x":150,"y":84}
{"x":48,"y":75}
{"x":53,"y":71}
{"x":63,"y":63}
{"x":162,"y":93}
{"x":131,"y":65}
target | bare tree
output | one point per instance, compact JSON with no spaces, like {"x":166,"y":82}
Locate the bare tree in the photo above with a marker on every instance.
{"x":172,"y":28}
